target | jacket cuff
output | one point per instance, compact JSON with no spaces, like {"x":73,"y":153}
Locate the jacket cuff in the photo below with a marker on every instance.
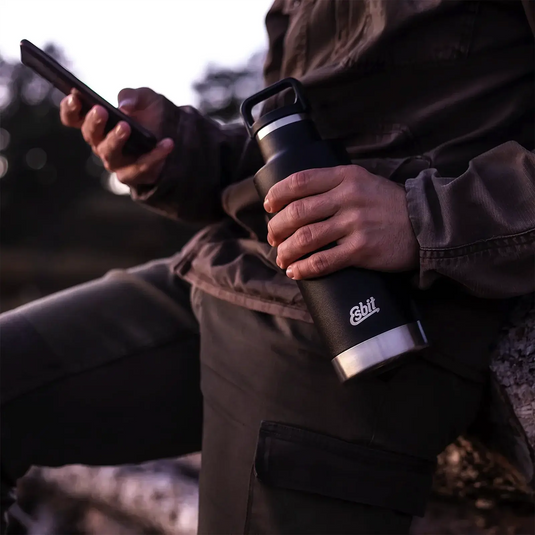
{"x":419,"y":218}
{"x":150,"y":194}
{"x":478,"y":229}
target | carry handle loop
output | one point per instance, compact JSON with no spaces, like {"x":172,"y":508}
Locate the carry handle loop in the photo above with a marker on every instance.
{"x":300,"y":102}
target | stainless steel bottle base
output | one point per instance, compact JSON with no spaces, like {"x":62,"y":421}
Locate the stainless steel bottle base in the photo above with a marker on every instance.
{"x":380,"y":350}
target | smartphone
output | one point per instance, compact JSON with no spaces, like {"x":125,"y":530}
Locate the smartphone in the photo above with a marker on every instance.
{"x":140,"y":141}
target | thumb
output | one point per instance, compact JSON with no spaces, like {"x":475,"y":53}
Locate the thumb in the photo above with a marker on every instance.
{"x":127,"y":100}
{"x":132,"y":99}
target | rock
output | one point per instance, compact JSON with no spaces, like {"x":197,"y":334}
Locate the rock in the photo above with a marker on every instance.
{"x":510,"y":418}
{"x":158,"y":497}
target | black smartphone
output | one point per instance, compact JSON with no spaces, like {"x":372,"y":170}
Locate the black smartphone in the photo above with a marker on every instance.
{"x":140,"y":141}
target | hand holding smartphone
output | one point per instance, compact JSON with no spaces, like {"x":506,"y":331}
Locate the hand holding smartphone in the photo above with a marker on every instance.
{"x":140,"y":140}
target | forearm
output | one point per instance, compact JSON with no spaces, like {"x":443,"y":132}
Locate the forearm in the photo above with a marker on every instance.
{"x":206,"y":158}
{"x":479,"y":228}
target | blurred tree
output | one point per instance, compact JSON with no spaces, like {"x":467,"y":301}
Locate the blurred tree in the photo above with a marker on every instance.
{"x":59,"y":225}
{"x":42,"y":157}
{"x":222,"y":89}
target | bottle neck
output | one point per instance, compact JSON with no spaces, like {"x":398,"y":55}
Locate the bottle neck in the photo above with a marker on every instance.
{"x":292,"y":131}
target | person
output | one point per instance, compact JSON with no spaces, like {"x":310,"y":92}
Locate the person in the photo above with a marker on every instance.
{"x":213,"y":349}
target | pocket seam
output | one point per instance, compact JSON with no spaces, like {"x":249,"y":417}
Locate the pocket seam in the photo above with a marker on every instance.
{"x":321,"y":441}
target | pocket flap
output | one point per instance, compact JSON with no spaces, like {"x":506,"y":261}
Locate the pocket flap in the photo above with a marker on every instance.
{"x":298,"y":459}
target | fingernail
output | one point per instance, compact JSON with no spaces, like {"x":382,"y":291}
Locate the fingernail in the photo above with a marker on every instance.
{"x":267,"y":205}
{"x":127,"y":105}
{"x":278,"y":262}
{"x":121,"y":130}
{"x":289,"y":272}
{"x":270,"y":240}
{"x":165,"y":144}
{"x":70,"y":102}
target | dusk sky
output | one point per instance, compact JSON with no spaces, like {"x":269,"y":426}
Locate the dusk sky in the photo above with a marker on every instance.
{"x":162,"y":44}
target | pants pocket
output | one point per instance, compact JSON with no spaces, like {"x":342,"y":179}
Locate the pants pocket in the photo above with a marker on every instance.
{"x":307,"y":482}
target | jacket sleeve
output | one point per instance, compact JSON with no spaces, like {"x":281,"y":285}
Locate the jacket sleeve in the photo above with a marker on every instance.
{"x":479,"y":228}
{"x":206,"y":158}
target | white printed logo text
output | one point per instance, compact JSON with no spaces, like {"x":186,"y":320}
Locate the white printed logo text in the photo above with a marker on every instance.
{"x":362,"y":311}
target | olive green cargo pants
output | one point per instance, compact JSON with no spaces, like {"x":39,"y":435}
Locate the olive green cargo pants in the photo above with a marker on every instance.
{"x":137,"y":366}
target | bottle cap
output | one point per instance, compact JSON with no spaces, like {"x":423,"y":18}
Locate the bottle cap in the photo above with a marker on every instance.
{"x":298,"y":107}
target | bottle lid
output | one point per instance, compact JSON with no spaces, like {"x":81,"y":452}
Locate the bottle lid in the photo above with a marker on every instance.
{"x":299,"y":106}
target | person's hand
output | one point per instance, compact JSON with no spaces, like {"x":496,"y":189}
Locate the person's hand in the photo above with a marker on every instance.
{"x":365,"y":215}
{"x":143,"y":105}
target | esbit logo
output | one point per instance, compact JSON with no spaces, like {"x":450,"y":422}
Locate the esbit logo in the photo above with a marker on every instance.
{"x":361,"y":312}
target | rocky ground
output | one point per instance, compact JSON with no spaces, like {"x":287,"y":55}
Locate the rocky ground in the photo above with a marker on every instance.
{"x":475,"y":493}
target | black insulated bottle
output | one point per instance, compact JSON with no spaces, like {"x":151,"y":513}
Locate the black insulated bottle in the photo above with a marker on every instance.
{"x":365,"y":318}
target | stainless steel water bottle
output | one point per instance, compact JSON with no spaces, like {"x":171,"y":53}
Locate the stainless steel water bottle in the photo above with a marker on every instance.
{"x":366,"y":318}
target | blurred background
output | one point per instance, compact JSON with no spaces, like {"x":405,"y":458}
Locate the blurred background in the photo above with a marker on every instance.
{"x":63,"y":218}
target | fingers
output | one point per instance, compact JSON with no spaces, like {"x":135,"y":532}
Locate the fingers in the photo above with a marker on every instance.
{"x":130,"y":169}
{"x":146,"y":169}
{"x":300,"y":213}
{"x":110,"y":150}
{"x":322,"y":263}
{"x":93,"y":126}
{"x":302,"y":184}
{"x":308,"y":239}
{"x":70,"y":111}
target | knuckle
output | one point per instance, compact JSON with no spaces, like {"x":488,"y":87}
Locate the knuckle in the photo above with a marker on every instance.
{"x":318,"y":263}
{"x":145,"y":91}
{"x":354,"y":186}
{"x":323,"y":204}
{"x":358,"y":243}
{"x":88,"y":127}
{"x":104,"y":154}
{"x":112,"y":141}
{"x":297,"y":210}
{"x":304,"y":237}
{"x":354,"y":219}
{"x":319,"y":203}
{"x":345,"y":171}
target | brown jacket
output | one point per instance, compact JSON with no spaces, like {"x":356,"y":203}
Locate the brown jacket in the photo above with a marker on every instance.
{"x":435,"y":94}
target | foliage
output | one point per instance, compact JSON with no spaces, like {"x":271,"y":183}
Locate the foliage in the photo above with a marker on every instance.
{"x":222,"y":89}
{"x":48,"y":165}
